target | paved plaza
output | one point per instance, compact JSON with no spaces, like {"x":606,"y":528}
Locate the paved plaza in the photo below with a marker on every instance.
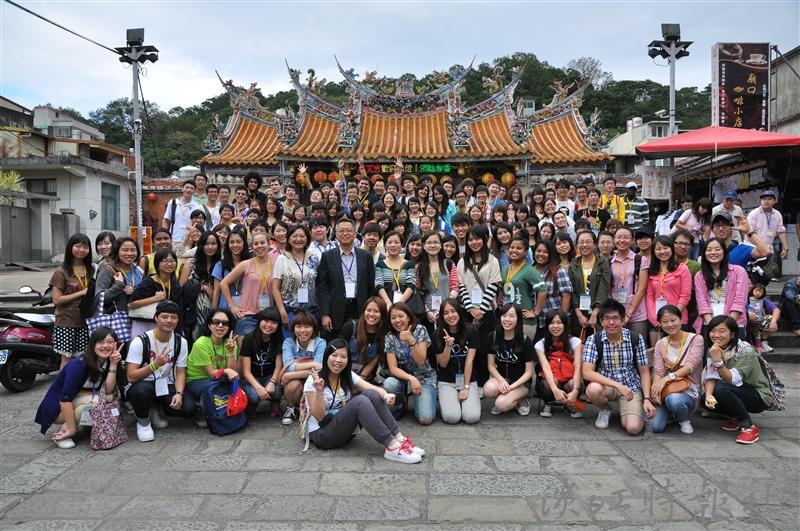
{"x":508,"y":472}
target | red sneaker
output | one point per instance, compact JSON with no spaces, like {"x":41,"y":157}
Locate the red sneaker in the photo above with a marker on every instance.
{"x":748,"y":435}
{"x":731,"y":425}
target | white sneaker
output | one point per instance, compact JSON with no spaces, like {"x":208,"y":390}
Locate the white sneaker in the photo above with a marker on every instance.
{"x":495,"y":411}
{"x":288,"y":416}
{"x":414,"y":448}
{"x":524,"y":408}
{"x":547,"y":411}
{"x":65,"y":444}
{"x":574,"y":413}
{"x":602,"y":419}
{"x":686,"y":427}
{"x":145,"y":433}
{"x":765,"y":348}
{"x":156,"y":419}
{"x":402,"y":454}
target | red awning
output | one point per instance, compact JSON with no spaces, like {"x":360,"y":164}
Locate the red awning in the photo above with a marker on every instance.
{"x":714,"y":140}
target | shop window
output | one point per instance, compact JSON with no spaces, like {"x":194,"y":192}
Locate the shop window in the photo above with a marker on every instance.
{"x":110,"y":206}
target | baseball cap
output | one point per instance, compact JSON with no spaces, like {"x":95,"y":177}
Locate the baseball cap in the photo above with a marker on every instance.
{"x":644,"y":231}
{"x":631,"y":184}
{"x":730,"y":194}
{"x":769,"y":193}
{"x":722,"y":216}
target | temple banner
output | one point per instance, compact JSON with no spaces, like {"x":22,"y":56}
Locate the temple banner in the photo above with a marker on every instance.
{"x":656,"y":181}
{"x":740,"y":85}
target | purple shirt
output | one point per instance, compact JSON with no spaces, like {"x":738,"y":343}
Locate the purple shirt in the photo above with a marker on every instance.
{"x":622,"y":278}
{"x":766,"y":224}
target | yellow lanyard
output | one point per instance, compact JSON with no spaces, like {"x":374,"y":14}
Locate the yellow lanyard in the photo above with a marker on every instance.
{"x":396,"y":275}
{"x":263,"y":274}
{"x":661,"y":275}
{"x":586,"y":273}
{"x":82,"y":277}
{"x":166,"y":287}
{"x":616,"y":348}
{"x":435,"y":280}
{"x":510,"y":275}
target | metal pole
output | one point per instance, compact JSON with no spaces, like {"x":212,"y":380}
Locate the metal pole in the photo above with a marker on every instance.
{"x":672,"y":59}
{"x":137,"y":148}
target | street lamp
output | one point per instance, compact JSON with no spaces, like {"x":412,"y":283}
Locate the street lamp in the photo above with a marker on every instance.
{"x":671,"y":48}
{"x":134,"y":53}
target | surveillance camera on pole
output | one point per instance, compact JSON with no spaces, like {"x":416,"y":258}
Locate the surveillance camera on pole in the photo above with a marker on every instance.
{"x":671,"y":48}
{"x":135,"y":53}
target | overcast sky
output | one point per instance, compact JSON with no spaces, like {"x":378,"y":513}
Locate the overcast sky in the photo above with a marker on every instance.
{"x":248,"y":41}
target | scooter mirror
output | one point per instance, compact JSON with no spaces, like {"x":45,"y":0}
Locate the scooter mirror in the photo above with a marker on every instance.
{"x":24,"y":290}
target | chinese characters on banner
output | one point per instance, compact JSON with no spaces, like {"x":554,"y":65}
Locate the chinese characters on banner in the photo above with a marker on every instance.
{"x":409,"y":168}
{"x":740,"y":85}
{"x":656,"y":181}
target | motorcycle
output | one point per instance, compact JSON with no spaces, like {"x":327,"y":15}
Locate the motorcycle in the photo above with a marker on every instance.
{"x":26,"y":345}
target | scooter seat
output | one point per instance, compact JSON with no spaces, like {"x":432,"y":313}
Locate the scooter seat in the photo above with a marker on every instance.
{"x":41,"y":319}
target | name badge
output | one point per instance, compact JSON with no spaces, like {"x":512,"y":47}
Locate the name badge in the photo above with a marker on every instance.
{"x":263,"y":302}
{"x":630,"y":219}
{"x":86,"y":419}
{"x":396,"y":297}
{"x":436,"y":303}
{"x":114,"y":412}
{"x":717,"y":308}
{"x":622,"y":295}
{"x":350,"y":290}
{"x":770,"y":234}
{"x":302,"y":295}
{"x":459,"y":380}
{"x":237,"y":300}
{"x":660,"y":303}
{"x":476,"y":296}
{"x":162,"y":389}
{"x":586,"y":303}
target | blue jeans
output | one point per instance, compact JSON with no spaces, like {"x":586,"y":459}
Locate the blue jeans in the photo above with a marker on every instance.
{"x":680,"y":405}
{"x":424,"y":404}
{"x":695,"y":252}
{"x":252,"y":395}
{"x":246,"y":324}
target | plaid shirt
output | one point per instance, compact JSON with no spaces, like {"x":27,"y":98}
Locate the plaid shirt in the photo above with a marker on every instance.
{"x":625,"y":372}
{"x":553,"y":302}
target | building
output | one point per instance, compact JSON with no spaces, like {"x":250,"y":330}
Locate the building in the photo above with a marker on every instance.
{"x":784,"y":97}
{"x":623,"y":146}
{"x":60,"y":157}
{"x":425,"y":126}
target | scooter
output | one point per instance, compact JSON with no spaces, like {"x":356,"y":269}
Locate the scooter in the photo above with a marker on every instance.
{"x":26,"y":345}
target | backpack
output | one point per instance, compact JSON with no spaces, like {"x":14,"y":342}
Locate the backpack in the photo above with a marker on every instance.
{"x":635,"y":338}
{"x":637,"y":265}
{"x":561,"y":366}
{"x":214,"y":401}
{"x":776,"y":387}
{"x":176,"y":349}
{"x":172,"y":210}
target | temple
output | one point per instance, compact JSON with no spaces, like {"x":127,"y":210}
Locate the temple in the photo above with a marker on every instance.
{"x":424,"y":125}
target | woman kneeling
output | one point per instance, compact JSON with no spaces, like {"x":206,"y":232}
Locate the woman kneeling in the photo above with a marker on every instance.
{"x":335,"y":414}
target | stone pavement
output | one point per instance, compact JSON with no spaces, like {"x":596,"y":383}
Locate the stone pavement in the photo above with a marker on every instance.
{"x":507,"y":472}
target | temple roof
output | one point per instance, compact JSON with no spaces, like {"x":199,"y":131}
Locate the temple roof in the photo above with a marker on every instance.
{"x":431,"y":125}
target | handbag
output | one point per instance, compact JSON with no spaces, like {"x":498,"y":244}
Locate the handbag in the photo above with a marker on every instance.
{"x":143,"y":313}
{"x":108,"y":430}
{"x":237,"y":402}
{"x":117,"y":321}
{"x":214,"y":402}
{"x":674,"y":386}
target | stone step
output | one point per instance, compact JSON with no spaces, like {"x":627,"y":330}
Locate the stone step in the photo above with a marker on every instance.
{"x":783,"y":355}
{"x":785,"y":339}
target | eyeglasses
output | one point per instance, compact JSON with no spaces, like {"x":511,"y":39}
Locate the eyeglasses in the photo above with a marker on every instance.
{"x":611,"y":318}
{"x":344,"y":231}
{"x":107,"y":342}
{"x":683,"y":244}
{"x":223,"y":322}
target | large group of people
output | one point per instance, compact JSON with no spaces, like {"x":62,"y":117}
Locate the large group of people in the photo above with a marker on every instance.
{"x":352,"y":303}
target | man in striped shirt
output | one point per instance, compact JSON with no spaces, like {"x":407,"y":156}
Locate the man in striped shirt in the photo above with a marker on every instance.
{"x":637,"y":211}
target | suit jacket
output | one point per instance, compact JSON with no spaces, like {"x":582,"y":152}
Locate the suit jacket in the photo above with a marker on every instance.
{"x":330,"y":284}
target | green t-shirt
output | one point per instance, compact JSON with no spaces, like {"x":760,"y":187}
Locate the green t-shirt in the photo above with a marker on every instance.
{"x":693,"y":265}
{"x":520,"y":288}
{"x":203,"y":353}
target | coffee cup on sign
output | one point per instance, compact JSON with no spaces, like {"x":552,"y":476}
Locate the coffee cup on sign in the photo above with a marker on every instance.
{"x":757,"y":57}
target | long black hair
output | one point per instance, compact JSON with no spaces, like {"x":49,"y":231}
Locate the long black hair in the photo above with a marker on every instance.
{"x":75,"y":239}
{"x":345,"y":377}
{"x":424,"y":264}
{"x":552,"y":267}
{"x":227,"y":256}
{"x":712,"y":281}
{"x":480,"y":232}
{"x":255,"y":340}
{"x":499,"y":331}
{"x":93,"y":368}
{"x":562,"y":343}
{"x":655,"y":264}
{"x":204,"y":264}
{"x":463,"y":328}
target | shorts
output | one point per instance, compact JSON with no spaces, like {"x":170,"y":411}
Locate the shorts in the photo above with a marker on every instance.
{"x":69,"y":340}
{"x":626,"y":407}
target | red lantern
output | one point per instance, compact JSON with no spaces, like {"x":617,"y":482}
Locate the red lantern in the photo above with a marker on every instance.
{"x":151,"y":197}
{"x":508,"y":179}
{"x":300,"y":179}
{"x":320,"y":176}
{"x":333,"y":176}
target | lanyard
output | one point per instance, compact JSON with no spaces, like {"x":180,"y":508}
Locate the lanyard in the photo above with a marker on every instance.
{"x":616,"y":349}
{"x":157,"y":352}
{"x":218,"y":356}
{"x":349,"y":267}
{"x":263,"y":274}
{"x":167,"y":288}
{"x":300,"y":267}
{"x":83,"y":279}
{"x":435,"y":280}
{"x":661,"y":275}
{"x":510,"y":275}
{"x":395,"y":275}
{"x":622,"y":272}
{"x":680,"y":349}
{"x":586,"y":273}
{"x":767,"y":217}
{"x":132,"y":277}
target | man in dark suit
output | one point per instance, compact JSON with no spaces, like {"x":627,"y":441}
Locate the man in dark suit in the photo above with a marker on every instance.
{"x":345,"y":280}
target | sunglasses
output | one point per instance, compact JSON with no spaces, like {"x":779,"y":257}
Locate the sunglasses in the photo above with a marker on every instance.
{"x":217,"y":322}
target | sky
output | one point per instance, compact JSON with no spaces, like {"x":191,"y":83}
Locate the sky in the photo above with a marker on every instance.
{"x":249,"y":40}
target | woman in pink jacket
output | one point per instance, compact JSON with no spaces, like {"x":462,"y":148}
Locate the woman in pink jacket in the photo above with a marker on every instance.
{"x":669,"y":282}
{"x":720,"y":288}
{"x":677,"y":367}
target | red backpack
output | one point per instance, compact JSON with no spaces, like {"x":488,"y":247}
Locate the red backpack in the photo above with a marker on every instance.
{"x":561,"y":366}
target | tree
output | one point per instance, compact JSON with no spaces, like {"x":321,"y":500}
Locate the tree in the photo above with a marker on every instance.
{"x":589,"y":66}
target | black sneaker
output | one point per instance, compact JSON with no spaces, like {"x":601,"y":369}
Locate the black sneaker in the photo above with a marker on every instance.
{"x":288,"y":416}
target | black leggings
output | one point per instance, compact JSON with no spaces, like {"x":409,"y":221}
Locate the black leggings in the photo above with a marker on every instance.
{"x":142,"y":395}
{"x":367,"y":410}
{"x":737,"y":402}
{"x":480,"y":365}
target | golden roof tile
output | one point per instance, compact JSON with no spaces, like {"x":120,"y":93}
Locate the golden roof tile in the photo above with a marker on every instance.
{"x":559,"y":142}
{"x":251,"y":143}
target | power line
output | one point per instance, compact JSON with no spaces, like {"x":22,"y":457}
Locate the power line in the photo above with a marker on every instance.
{"x":56,"y":24}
